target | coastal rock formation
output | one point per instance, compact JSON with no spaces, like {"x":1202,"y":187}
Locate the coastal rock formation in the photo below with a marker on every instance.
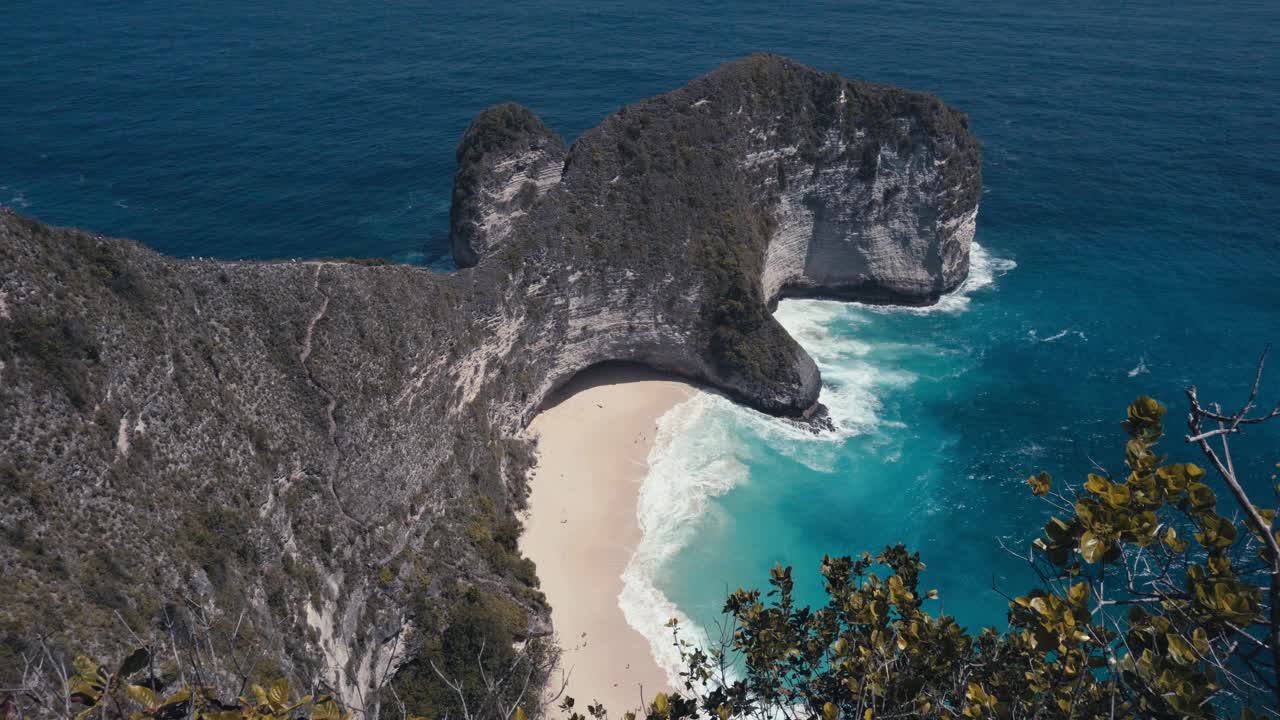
{"x":326,"y":446}
{"x":506,"y":160}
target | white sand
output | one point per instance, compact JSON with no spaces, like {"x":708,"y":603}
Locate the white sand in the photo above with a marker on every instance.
{"x":581,"y":529}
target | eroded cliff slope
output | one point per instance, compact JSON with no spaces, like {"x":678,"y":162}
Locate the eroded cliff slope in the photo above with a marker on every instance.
{"x":331,"y":447}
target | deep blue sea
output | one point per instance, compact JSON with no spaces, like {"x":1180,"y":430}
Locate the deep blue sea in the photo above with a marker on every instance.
{"x":1127,"y":230}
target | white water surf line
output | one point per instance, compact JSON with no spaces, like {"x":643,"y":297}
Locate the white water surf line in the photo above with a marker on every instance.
{"x":696,"y":454}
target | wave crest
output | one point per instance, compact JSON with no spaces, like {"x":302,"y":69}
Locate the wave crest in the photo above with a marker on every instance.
{"x":703,"y":445}
{"x":984,"y":268}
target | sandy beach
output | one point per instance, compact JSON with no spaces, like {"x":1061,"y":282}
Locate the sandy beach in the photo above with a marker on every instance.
{"x":581,"y":529}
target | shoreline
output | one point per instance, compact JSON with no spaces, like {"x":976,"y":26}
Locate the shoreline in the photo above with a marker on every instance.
{"x":581,"y":529}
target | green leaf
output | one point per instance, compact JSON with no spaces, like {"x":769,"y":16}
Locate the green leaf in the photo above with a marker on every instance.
{"x":1146,"y":410}
{"x":83,"y":691}
{"x":1175,"y":544}
{"x":1084,"y":508}
{"x":1173,"y":477}
{"x":1057,"y":531}
{"x":1216,"y":532}
{"x":1200,"y":641}
{"x":1097,"y":484}
{"x":85,"y":667}
{"x":325,"y":710}
{"x":1202,"y":498}
{"x":175,"y":706}
{"x":1180,"y":649}
{"x":661,"y":706}
{"x":1040,"y":484}
{"x":137,"y":660}
{"x":144,"y":696}
{"x":278,"y":695}
{"x":1092,"y":547}
{"x":1118,"y":495}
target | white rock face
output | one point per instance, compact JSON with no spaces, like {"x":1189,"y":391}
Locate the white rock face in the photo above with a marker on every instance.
{"x":873,"y":232}
{"x":788,"y":252}
{"x":531,"y":172}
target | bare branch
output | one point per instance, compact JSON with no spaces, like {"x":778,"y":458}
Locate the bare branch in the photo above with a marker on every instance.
{"x":1228,"y":477}
{"x":456,"y":687}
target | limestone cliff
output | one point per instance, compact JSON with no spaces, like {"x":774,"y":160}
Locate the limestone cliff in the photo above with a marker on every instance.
{"x":311,"y":440}
{"x":506,"y":160}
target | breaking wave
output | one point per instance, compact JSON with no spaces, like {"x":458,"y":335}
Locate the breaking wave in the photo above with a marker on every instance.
{"x":688,"y":466}
{"x":704,"y":445}
{"x":1140,"y":368}
{"x":984,"y":268}
{"x":1057,"y":336}
{"x":18,"y":198}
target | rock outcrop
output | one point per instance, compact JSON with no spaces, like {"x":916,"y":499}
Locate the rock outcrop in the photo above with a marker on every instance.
{"x":507,"y":159}
{"x":310,"y":440}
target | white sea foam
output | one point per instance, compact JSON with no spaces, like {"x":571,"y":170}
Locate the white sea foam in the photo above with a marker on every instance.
{"x":703,"y":444}
{"x":1058,"y":335}
{"x":1140,"y":368}
{"x":686,"y":469}
{"x":984,"y":268}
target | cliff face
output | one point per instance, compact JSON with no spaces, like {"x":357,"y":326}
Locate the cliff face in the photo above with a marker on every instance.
{"x":676,"y":223}
{"x":310,"y":440}
{"x":506,"y":160}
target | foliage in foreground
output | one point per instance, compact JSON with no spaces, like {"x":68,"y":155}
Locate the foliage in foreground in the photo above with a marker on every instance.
{"x":137,"y":692}
{"x":1151,"y":605}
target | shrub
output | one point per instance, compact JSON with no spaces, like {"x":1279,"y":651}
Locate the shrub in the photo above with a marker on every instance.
{"x":137,"y":692}
{"x":459,"y":666}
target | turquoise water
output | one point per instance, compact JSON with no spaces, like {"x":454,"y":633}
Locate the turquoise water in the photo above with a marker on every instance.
{"x":1128,"y":223}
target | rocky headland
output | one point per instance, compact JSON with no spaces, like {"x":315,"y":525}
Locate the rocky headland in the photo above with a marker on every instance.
{"x":330,"y":451}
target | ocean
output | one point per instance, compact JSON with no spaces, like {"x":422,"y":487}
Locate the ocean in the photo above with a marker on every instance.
{"x":1126,"y":240}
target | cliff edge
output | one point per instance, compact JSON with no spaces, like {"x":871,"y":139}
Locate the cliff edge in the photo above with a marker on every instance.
{"x":315,"y":444}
